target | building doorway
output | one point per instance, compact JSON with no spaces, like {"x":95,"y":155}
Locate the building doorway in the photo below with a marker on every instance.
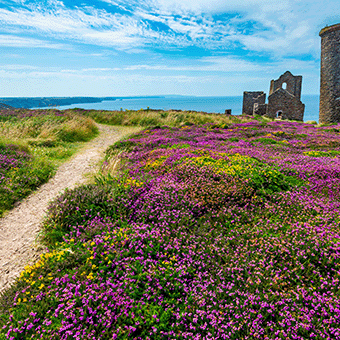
{"x":279,"y":114}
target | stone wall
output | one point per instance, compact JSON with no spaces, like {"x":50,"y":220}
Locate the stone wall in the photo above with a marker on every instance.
{"x":260,"y":109}
{"x":250,"y":98}
{"x":283,"y":100}
{"x":282,"y":104}
{"x":294,"y":84}
{"x":330,"y":75}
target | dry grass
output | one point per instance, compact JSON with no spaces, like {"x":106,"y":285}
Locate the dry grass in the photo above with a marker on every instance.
{"x":148,"y":118}
{"x":67,"y":128}
{"x":128,"y":130}
{"x":112,"y":161}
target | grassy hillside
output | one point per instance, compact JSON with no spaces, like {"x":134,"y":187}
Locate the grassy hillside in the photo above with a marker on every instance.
{"x":151,"y":117}
{"x":32,"y":145}
{"x":216,"y":231}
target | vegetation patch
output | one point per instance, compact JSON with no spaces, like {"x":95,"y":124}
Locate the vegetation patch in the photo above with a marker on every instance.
{"x":149,"y":118}
{"x":20,"y":174}
{"x":195,"y":237}
{"x":32,"y":145}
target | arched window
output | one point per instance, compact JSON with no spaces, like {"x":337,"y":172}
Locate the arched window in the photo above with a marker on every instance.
{"x":279,"y":114}
{"x":284,"y":86}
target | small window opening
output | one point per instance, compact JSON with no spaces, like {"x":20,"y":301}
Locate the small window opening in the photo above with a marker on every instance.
{"x":284,"y":86}
{"x":279,"y":114}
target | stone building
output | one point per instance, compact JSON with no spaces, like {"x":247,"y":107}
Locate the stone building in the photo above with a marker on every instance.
{"x":330,"y":75}
{"x":251,"y":98}
{"x":284,"y":100}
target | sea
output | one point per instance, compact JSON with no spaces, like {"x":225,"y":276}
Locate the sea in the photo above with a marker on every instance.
{"x":206,"y":104}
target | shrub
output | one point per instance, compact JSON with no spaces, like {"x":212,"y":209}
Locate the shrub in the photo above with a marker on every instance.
{"x":77,"y":206}
{"x":266,"y":141}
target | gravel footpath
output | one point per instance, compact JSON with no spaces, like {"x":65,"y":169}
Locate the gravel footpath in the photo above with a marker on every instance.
{"x":20,"y":228}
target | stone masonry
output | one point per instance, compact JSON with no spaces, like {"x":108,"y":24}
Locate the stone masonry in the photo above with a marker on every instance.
{"x":283,"y":100}
{"x":330,"y":75}
{"x":251,"y":98}
{"x":260,"y":109}
{"x":284,"y":105}
{"x":293,"y":84}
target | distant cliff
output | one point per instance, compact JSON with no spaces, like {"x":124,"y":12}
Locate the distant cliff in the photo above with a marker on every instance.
{"x":30,"y":102}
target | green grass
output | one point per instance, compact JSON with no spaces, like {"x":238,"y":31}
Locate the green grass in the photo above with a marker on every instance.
{"x":35,"y":143}
{"x":151,"y":118}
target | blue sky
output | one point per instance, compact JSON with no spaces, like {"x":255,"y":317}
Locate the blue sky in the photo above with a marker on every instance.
{"x":154,"y":47}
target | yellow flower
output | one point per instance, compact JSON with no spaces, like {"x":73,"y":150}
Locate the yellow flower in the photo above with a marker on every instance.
{"x":90,"y":276}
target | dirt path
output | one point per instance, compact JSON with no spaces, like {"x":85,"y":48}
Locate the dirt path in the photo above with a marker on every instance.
{"x":20,"y":227}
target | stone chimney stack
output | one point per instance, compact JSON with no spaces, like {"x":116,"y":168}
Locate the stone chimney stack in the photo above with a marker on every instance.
{"x":330,"y":75}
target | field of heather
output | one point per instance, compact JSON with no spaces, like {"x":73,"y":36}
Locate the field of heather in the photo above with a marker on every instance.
{"x":213,"y":231}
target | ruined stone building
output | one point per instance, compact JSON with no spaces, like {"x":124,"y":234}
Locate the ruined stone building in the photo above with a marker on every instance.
{"x":251,"y":98}
{"x":284,"y":100}
{"x":330,"y":75}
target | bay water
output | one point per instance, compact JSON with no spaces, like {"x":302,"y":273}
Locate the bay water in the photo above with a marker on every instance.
{"x":206,"y":104}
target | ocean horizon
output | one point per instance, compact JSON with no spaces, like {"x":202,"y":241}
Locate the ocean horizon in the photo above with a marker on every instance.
{"x":205,"y":104}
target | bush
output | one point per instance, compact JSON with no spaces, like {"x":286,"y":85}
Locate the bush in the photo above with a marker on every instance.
{"x":77,"y":206}
{"x":266,"y":141}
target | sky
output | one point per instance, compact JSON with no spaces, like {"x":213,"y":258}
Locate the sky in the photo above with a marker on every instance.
{"x":159,"y":47}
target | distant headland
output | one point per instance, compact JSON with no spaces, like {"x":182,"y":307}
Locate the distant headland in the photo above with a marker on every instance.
{"x":31,"y":102}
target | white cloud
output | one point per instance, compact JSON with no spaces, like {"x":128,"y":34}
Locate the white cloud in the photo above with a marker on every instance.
{"x":211,"y":6}
{"x":227,"y":64}
{"x":289,"y":27}
{"x":206,"y":64}
{"x":210,"y":76}
{"x":212,"y":65}
{"x":110,"y":38}
{"x":285,"y":28}
{"x":15,"y":41}
{"x":18,"y":67}
{"x":54,"y":83}
{"x":97,"y":27}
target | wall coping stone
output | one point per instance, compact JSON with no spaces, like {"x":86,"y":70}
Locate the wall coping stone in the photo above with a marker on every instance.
{"x":328,"y":29}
